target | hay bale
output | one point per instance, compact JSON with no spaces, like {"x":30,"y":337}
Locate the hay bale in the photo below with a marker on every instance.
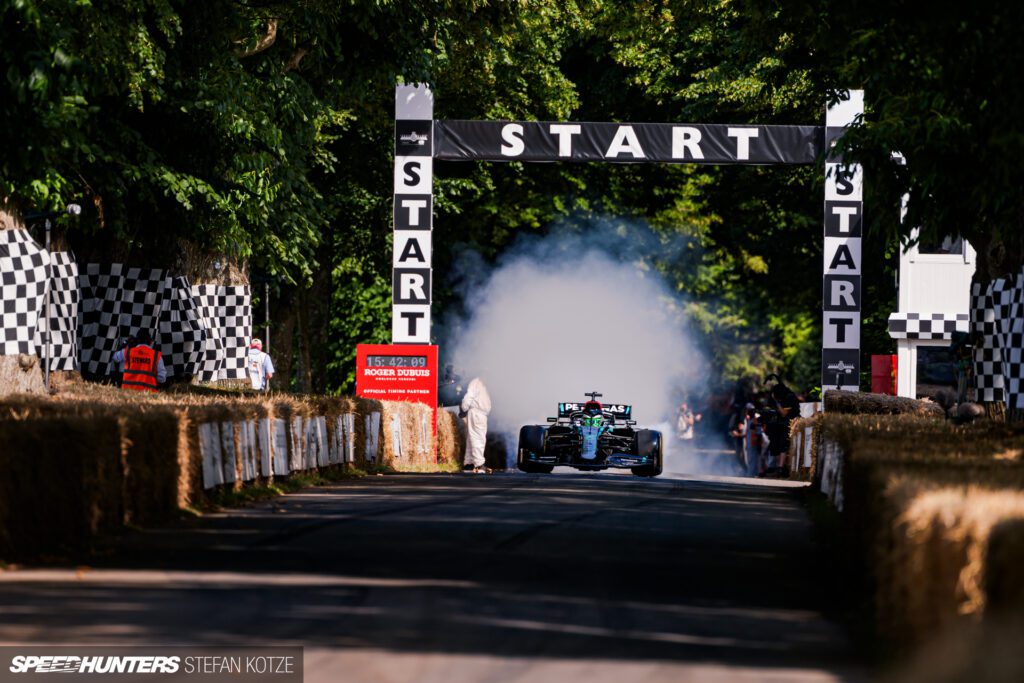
{"x":989,"y":653}
{"x":62,"y":483}
{"x":406,"y":439}
{"x":856,"y":402}
{"x":803,"y":447}
{"x":363,"y":408}
{"x":888,"y":460}
{"x":451,"y":438}
{"x":936,"y":566}
{"x":1004,"y":569}
{"x":153,"y":441}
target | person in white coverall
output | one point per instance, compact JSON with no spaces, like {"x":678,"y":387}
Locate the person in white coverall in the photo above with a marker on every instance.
{"x":476,"y":404}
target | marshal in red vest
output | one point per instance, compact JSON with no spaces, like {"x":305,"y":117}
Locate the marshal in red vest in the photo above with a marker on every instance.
{"x":140,"y":366}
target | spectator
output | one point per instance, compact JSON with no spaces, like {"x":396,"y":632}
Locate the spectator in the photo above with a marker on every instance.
{"x":475,"y":406}
{"x":259,"y":365}
{"x":685,"y":421}
{"x":755,"y":441}
{"x":785,"y":407}
{"x":141,"y":366}
{"x":738,"y":432}
{"x":450,"y":389}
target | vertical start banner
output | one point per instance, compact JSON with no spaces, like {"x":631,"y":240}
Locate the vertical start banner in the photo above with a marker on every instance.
{"x":844,"y":222}
{"x":413,"y":215}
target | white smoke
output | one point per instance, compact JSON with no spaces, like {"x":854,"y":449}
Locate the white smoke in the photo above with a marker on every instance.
{"x":559,"y":317}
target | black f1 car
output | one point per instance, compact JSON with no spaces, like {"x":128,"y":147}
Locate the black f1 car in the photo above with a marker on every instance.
{"x":591,"y":436}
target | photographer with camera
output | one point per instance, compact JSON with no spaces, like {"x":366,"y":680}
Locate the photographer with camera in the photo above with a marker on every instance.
{"x":783,"y":408}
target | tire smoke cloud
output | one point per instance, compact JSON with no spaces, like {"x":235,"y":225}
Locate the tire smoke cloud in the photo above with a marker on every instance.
{"x":576,"y":312}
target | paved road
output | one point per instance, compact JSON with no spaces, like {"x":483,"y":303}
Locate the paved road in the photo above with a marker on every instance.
{"x":454,"y":578}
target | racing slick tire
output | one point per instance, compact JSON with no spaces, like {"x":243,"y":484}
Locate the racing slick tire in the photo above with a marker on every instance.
{"x":531,"y":438}
{"x":650,"y":443}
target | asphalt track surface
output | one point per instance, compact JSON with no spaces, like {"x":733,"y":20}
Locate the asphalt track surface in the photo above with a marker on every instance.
{"x":453,"y":578}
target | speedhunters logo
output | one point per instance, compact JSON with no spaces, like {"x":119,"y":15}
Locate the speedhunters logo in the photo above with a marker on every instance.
{"x":208,"y":664}
{"x":70,"y":664}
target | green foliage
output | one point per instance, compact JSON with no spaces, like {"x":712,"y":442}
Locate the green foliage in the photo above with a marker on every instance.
{"x":264,"y":131}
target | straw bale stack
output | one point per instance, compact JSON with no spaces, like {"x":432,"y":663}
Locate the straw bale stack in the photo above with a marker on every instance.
{"x":933,"y":564}
{"x":143,"y":457}
{"x":407,"y":439}
{"x":923,"y":500}
{"x":857,"y":402}
{"x":1004,"y":565}
{"x":154,"y":445}
{"x":451,"y":438}
{"x":62,"y":483}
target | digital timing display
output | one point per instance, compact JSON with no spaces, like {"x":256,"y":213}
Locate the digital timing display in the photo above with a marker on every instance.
{"x":396,"y":361}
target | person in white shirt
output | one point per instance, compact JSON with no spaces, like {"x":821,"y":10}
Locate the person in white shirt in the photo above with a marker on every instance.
{"x":259,"y":366}
{"x":685,"y":421}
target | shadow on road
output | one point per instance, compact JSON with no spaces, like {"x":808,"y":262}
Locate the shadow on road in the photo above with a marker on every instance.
{"x":589,"y":567}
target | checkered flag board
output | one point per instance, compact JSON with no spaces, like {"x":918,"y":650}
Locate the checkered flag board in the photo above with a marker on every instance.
{"x":988,"y":362}
{"x":182,"y":337}
{"x":117,"y":301}
{"x":1012,"y":340}
{"x":927,"y":325}
{"x":63,"y":318}
{"x":23,"y":266}
{"x":226,"y":313}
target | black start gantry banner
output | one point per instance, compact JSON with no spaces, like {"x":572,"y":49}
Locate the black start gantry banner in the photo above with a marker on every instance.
{"x":626,"y":143}
{"x":419,"y":139}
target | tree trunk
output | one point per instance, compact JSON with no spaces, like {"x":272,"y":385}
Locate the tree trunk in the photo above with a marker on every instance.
{"x":205,"y":268}
{"x":320,"y":320}
{"x":995,"y":410}
{"x":282,"y":349}
{"x":21,"y":373}
{"x":305,"y":379}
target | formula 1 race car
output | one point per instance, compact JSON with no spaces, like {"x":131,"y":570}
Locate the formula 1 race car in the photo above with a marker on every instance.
{"x":591,"y":436}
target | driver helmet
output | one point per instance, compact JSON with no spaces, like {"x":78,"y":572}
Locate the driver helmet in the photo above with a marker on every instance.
{"x":592,"y":414}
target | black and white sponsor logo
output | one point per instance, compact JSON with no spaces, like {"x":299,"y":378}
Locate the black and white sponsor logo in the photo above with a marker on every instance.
{"x":613,"y":408}
{"x":72,"y":664}
{"x":841,"y":367}
{"x":413,"y":138}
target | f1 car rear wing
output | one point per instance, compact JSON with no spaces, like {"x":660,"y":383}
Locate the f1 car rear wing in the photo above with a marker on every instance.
{"x":618,"y":410}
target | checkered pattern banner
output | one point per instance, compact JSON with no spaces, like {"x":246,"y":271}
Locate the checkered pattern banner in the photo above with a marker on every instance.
{"x":927,"y":325}
{"x":117,"y":302}
{"x":182,"y":336}
{"x":63,"y":317}
{"x":1008,"y":297}
{"x":23,"y":266}
{"x":226,"y":313}
{"x":988,"y":361}
{"x":202,"y":331}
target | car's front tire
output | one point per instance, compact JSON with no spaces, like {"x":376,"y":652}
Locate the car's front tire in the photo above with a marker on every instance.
{"x":649,"y":443}
{"x":531,"y":438}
